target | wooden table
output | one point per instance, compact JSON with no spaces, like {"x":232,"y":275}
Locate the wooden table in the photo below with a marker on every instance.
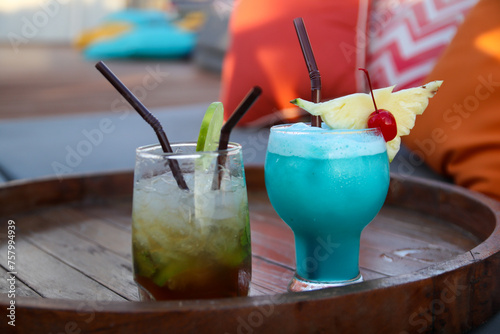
{"x":53,"y":80}
{"x":430,"y":260}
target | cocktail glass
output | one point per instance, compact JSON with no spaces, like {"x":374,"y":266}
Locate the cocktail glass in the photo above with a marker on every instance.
{"x":326,"y":185}
{"x":190,"y":244}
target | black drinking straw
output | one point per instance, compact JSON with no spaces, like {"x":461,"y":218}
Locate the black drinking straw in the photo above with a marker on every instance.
{"x":225,"y":132}
{"x":147,"y":116}
{"x":314,"y":75}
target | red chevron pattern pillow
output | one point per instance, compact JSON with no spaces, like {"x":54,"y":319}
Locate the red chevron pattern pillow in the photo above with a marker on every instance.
{"x":407,"y":37}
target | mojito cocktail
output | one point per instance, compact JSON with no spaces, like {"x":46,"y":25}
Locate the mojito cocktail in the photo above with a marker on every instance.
{"x":190,"y":244}
{"x":327,"y":185}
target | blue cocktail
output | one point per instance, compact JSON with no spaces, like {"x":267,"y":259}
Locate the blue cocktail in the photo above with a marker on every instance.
{"x":327,"y":185}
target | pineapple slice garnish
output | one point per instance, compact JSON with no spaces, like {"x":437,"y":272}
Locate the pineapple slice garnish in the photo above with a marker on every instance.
{"x":352,"y":111}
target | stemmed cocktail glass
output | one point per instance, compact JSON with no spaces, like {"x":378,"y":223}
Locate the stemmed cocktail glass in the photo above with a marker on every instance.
{"x":327,"y":185}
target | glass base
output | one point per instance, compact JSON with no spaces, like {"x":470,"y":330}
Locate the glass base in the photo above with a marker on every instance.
{"x":298,"y":284}
{"x":144,"y":294}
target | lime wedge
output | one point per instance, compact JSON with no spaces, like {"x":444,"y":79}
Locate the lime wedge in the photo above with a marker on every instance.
{"x":208,"y":139}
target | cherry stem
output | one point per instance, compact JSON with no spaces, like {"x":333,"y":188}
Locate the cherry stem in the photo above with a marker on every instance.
{"x":370,"y":85}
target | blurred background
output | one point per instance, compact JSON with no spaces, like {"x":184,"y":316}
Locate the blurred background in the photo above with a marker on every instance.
{"x":53,"y":102}
{"x":48,"y":49}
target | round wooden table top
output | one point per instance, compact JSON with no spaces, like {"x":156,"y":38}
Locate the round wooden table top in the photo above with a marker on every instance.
{"x":430,"y":260}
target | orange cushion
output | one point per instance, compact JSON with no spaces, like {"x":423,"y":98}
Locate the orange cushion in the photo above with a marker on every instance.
{"x":459,"y":133}
{"x":264,"y":50}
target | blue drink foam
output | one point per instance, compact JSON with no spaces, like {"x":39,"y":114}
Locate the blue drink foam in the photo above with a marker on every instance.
{"x":302,"y":140}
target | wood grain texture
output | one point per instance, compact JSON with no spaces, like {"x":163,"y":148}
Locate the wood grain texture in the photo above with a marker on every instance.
{"x":45,"y":80}
{"x":430,"y":259}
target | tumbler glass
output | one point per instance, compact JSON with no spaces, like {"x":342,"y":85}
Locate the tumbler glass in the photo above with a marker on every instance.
{"x":190,"y":243}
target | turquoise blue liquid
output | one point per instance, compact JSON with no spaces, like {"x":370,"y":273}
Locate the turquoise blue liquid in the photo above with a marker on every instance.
{"x":327,"y":202}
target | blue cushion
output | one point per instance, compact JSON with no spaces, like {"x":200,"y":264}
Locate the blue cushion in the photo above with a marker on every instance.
{"x":138,"y":16}
{"x":159,"y":41}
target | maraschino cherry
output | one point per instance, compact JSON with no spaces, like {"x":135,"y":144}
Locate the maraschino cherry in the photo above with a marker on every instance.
{"x":381,"y":118}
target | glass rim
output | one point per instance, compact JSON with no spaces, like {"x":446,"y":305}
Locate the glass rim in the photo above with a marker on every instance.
{"x":282,"y":129}
{"x":143,"y":151}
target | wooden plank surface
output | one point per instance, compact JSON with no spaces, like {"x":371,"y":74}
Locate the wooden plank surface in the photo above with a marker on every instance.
{"x":40,"y":273}
{"x":45,"y":80}
{"x":94,"y":240}
{"x":75,"y":247}
{"x":20,"y":288}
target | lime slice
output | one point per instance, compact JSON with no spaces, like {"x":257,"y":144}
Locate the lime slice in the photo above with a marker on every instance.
{"x":208,"y":139}
{"x":143,"y":264}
